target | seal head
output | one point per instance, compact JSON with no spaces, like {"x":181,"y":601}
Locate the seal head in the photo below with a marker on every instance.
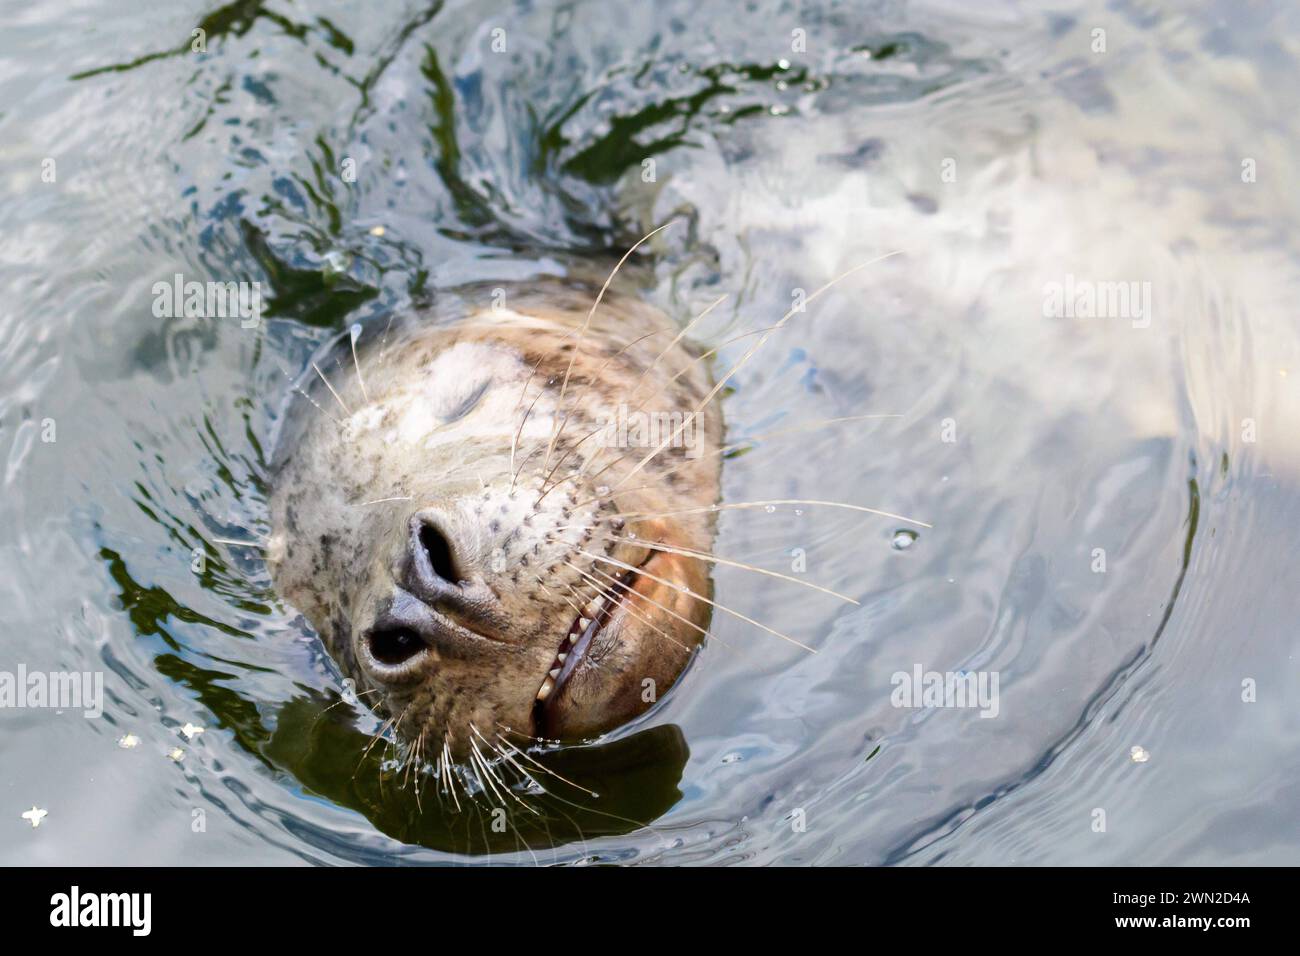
{"x":493,"y":517}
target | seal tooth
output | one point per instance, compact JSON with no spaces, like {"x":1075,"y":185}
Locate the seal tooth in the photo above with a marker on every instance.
{"x":583,"y":622}
{"x":548,"y":685}
{"x":573,"y":638}
{"x":554,"y":674}
{"x":561,"y":657}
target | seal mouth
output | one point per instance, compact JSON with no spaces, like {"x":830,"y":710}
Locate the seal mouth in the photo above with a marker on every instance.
{"x":582,"y":633}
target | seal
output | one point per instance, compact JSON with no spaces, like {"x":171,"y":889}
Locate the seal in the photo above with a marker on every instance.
{"x":497,"y":516}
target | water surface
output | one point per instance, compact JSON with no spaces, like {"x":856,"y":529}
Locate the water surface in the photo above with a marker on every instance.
{"x":994,"y":146}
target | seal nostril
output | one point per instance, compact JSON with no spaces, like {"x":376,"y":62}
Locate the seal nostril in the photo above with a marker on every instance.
{"x":438,"y":549}
{"x":394,"y":645}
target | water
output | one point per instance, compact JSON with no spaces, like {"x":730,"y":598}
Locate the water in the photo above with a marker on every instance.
{"x":1113,"y":494}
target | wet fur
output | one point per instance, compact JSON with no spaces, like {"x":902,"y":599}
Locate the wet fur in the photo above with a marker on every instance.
{"x":461,"y":415}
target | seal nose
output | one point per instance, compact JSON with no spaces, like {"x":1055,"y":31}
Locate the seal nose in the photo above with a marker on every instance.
{"x":438,"y":568}
{"x":438,"y":551}
{"x":432,"y":567}
{"x":402,"y":631}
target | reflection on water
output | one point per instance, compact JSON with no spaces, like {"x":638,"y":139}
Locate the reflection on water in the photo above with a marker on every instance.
{"x":1110,"y":494}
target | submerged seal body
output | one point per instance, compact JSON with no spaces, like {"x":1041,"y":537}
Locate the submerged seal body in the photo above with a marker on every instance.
{"x":478,"y":522}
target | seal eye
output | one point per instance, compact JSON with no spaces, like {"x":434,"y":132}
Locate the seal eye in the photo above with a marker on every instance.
{"x":395,"y":645}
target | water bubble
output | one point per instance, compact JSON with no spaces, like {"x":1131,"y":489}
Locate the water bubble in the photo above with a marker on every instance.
{"x":733,"y":757}
{"x":798,"y":512}
{"x":335,"y":262}
{"x":783,"y":63}
{"x":903,"y":539}
{"x":1139,"y":755}
{"x":770,"y":509}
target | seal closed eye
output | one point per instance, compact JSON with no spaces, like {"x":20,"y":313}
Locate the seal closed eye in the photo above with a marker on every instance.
{"x":477,"y":534}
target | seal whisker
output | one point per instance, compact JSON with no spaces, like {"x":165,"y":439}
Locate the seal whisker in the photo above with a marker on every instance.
{"x":585,"y":326}
{"x":449,"y":778}
{"x":748,"y":442}
{"x":354,"y":332}
{"x":487,"y":842}
{"x":383,"y":728}
{"x":643,"y":824}
{"x":569,"y":477}
{"x":437,"y":790}
{"x":532,"y":780}
{"x":383,"y":342}
{"x":419,"y":804}
{"x":662,"y":387}
{"x":481,"y":770}
{"x":514,"y":443}
{"x":582,"y":837}
{"x":716,"y":559}
{"x":605,"y":589}
{"x":773,"y":502}
{"x":722,"y":382}
{"x":413,"y":760}
{"x":594,"y":376}
{"x":338,"y":703}
{"x":506,"y":787}
{"x":422,"y":769}
{"x":542,"y":767}
{"x":663,"y":607}
{"x":645,"y":372}
{"x":524,"y":391}
{"x":680,"y":335}
{"x":297,"y":388}
{"x":402,"y":755}
{"x":241,"y":544}
{"x":616,"y":598}
{"x":700,"y":358}
{"x":331,"y":388}
{"x":528,"y":381}
{"x":442,"y":779}
{"x":520,"y":841}
{"x":409,"y":758}
{"x":698,"y":597}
